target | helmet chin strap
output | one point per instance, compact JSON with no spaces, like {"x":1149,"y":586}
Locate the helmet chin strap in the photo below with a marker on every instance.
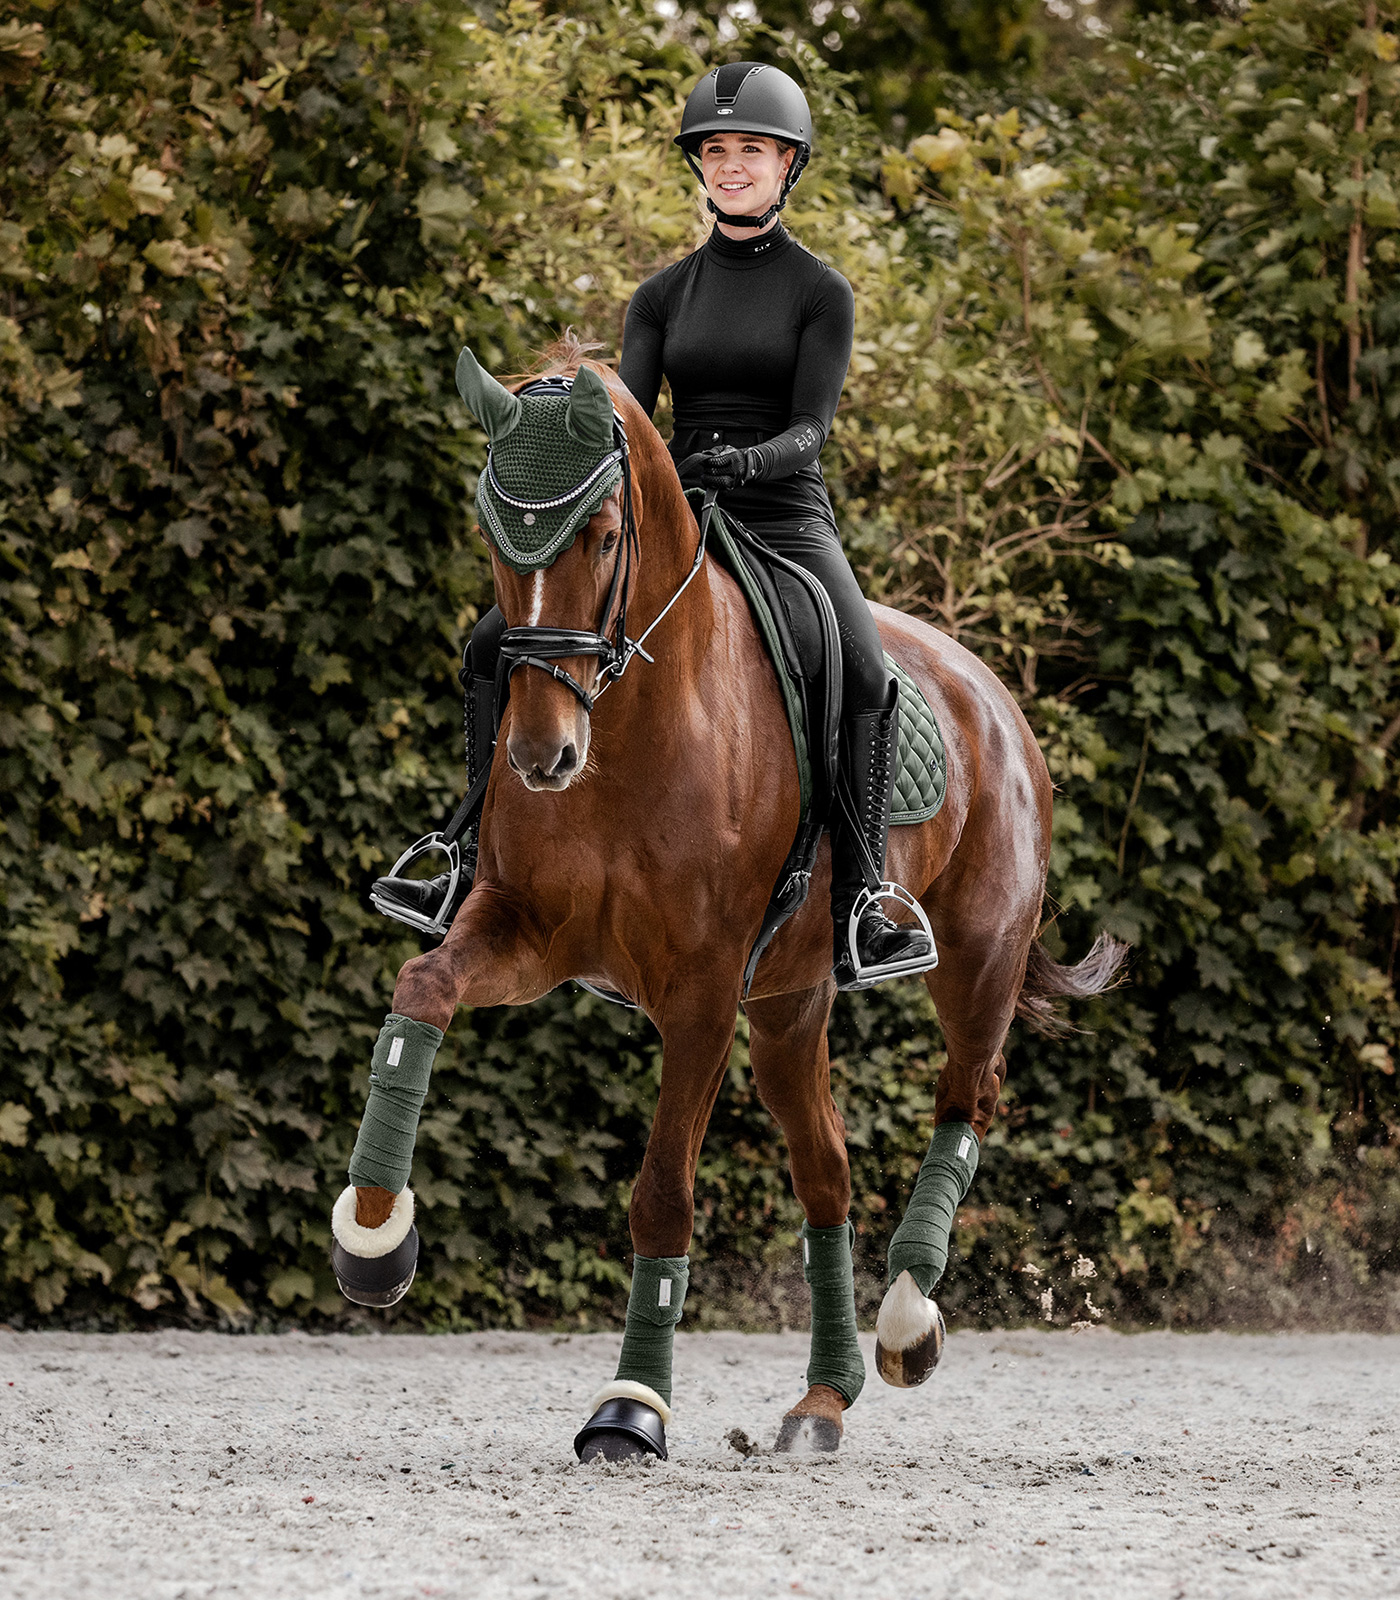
{"x":746,"y":222}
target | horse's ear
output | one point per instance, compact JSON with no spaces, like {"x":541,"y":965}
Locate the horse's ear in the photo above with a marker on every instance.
{"x":491,"y":403}
{"x":589,"y":418}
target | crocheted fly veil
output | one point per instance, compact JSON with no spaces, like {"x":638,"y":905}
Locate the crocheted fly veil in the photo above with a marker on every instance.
{"x":553,"y":460}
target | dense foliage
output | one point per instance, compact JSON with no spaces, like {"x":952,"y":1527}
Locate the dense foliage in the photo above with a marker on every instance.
{"x":1122,"y":416}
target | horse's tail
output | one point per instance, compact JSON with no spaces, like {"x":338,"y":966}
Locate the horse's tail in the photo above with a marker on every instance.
{"x":1047,"y":981}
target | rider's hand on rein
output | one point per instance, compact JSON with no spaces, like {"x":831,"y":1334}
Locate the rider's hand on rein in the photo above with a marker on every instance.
{"x":725,"y":467}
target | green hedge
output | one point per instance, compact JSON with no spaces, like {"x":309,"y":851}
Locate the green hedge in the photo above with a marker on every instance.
{"x":1106,"y":423}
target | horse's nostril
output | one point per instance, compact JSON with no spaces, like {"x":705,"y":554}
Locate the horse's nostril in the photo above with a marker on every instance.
{"x":568,"y":760}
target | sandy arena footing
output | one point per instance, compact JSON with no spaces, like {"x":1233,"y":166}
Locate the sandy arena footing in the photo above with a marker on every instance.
{"x":1033,"y":1465}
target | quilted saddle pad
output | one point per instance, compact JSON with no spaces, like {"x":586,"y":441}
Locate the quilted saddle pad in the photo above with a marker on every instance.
{"x":921,"y":772}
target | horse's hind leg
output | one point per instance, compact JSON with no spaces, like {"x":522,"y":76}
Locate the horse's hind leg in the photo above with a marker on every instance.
{"x":974,"y":987}
{"x":788,"y":1050}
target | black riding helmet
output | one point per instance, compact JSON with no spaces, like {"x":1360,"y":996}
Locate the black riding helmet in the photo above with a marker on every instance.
{"x":748,"y":97}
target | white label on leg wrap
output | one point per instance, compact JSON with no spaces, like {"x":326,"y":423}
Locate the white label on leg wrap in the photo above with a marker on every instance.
{"x":964,"y":1145}
{"x":396,"y":1053}
{"x":663,"y":1293}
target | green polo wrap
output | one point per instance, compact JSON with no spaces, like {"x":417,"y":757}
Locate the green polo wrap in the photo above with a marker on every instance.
{"x":653,"y":1310}
{"x":826,"y":1264}
{"x":398,"y":1081}
{"x":920,"y":1244}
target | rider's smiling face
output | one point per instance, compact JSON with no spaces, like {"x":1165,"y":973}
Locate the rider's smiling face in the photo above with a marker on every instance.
{"x":744,"y":172}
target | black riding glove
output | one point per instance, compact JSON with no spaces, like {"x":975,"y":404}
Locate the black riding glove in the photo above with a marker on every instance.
{"x":726,"y":468}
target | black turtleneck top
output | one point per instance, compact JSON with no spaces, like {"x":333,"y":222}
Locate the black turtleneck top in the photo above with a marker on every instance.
{"x":754,"y":337}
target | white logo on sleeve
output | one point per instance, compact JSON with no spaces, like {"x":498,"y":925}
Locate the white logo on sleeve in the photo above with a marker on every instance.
{"x":964,"y":1145}
{"x":663,"y":1297}
{"x":396,"y":1051}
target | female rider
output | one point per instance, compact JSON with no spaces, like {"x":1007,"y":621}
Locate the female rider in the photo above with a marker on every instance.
{"x":753,"y":333}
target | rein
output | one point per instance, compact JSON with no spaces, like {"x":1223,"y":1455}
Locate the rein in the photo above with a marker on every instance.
{"x":542,"y":646}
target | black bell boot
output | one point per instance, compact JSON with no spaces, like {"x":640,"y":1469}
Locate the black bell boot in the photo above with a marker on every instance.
{"x":421,"y":902}
{"x":880,"y":948}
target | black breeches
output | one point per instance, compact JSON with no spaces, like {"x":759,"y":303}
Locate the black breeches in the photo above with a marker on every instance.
{"x":815,"y":545}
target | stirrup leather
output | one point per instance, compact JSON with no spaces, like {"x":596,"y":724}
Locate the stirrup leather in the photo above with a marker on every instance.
{"x":867,"y":977}
{"x":439,"y":923}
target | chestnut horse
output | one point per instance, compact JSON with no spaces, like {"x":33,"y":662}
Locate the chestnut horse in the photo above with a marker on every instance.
{"x":636,"y":847}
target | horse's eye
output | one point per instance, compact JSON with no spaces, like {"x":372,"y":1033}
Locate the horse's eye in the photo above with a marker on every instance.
{"x":610,"y":542}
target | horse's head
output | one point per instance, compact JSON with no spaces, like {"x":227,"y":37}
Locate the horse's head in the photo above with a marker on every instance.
{"x":552,"y":503}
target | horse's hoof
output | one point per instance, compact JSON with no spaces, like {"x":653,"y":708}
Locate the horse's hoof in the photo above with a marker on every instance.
{"x":814,"y":1424}
{"x":909,"y":1334}
{"x":621,"y":1430}
{"x":605,"y":1445}
{"x":809,"y":1435}
{"x":377,"y":1281}
{"x":374,"y":1266}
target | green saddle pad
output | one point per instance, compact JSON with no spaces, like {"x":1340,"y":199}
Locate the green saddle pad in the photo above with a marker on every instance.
{"x":921,"y":772}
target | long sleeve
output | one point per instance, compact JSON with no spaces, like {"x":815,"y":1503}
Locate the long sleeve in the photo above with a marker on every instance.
{"x":823,"y":354}
{"x":642,"y":337}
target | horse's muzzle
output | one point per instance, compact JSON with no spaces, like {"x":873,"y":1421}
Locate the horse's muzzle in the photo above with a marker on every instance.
{"x":546,"y":765}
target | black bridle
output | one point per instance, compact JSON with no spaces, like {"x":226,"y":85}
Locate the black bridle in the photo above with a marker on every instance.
{"x":539,"y":646}
{"x":543,"y":647}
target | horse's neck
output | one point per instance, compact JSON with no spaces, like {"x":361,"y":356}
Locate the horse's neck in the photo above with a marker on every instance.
{"x":668,"y":556}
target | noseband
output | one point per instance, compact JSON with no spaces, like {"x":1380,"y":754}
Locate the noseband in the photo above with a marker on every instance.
{"x":544,"y":647}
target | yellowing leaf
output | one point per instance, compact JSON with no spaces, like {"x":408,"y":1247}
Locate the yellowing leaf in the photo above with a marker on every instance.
{"x":940,"y":151}
{"x":116,"y":147}
{"x":1039,"y":178}
{"x":168,"y":256}
{"x":1248,"y":351}
{"x":436,"y":139}
{"x":14,"y":1123}
{"x":149,"y":191}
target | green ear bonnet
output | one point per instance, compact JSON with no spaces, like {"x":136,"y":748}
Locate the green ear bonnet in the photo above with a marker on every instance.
{"x":555,"y":456}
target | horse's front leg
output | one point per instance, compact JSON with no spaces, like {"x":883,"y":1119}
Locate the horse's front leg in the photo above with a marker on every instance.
{"x":492,"y":955}
{"x":627,"y":1417}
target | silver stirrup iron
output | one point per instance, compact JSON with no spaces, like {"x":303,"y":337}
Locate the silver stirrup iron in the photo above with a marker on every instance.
{"x":439,"y":923}
{"x":867,"y":977}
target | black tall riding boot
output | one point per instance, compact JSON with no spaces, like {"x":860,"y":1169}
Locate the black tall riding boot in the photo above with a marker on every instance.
{"x":424,"y":896}
{"x":860,"y":831}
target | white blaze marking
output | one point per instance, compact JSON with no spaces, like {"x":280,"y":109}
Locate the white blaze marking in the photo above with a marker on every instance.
{"x":396,"y":1051}
{"x":663,"y":1297}
{"x":537,"y":599}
